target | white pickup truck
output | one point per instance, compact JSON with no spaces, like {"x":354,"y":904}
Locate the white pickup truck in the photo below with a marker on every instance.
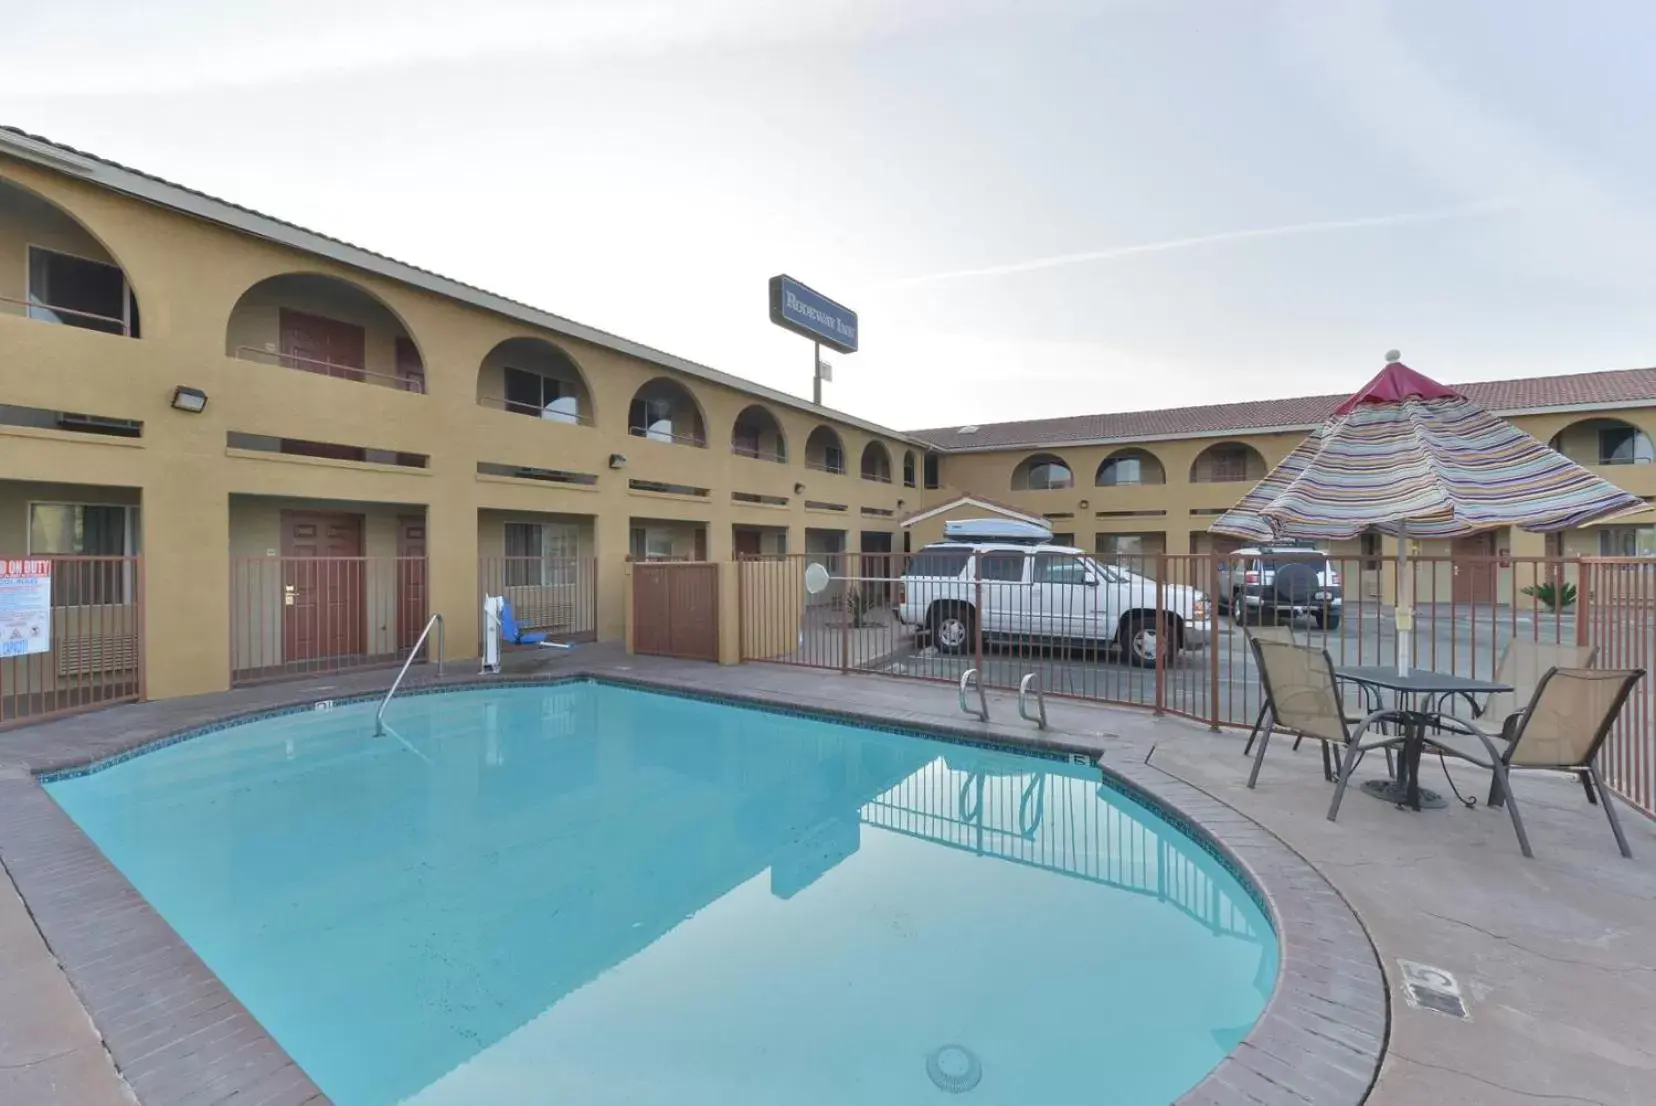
{"x":1023,"y":592}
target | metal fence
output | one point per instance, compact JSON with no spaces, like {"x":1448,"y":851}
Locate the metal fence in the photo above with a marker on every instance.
{"x":96,"y":653}
{"x":557,"y":596}
{"x":1164,"y":632}
{"x":303,"y":616}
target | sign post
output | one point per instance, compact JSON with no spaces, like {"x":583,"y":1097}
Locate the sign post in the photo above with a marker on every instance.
{"x":25,"y":607}
{"x":809,"y":313}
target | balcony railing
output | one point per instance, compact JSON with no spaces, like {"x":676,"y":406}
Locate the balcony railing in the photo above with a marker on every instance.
{"x":651,"y":434}
{"x":402,"y":382}
{"x":66,"y":316}
{"x":825,"y":466}
{"x":742,"y":449}
{"x":877,"y":477}
{"x":535,"y":411}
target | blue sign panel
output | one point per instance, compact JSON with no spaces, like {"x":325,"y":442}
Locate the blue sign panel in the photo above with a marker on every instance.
{"x":799,"y":309}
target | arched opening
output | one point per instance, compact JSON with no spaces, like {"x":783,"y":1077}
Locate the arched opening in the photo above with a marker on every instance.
{"x":824,"y":451}
{"x":1126,"y":467}
{"x":531,"y":376}
{"x":909,"y":472}
{"x":54,"y":271}
{"x":1041,"y":472}
{"x":324,"y":325}
{"x":876,"y":463}
{"x":663,"y":410}
{"x":1604,"y":442}
{"x":1226,"y":463}
{"x":758,"y":434}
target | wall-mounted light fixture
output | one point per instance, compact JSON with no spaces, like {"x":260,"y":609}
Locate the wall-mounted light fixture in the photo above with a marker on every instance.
{"x":1085,"y":504}
{"x":618,"y":460}
{"x":191,"y":400}
{"x":899,"y":504}
{"x":799,"y":489}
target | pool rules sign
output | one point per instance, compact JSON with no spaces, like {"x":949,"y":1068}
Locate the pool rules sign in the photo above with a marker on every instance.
{"x":25,"y":607}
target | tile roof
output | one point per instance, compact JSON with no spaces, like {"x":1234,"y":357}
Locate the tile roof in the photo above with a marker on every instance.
{"x":1631,"y":387}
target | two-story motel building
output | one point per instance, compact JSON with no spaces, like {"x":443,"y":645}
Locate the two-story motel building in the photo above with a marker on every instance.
{"x":439,"y":440}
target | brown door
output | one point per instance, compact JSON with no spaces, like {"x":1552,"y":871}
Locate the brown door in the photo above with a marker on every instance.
{"x":323,"y":609}
{"x":701,"y":543}
{"x":411,"y":579}
{"x":749,"y":543}
{"x":1474,"y":569}
{"x":321,"y":345}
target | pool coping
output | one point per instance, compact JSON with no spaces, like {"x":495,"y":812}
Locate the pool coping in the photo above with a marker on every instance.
{"x":178,"y":1035}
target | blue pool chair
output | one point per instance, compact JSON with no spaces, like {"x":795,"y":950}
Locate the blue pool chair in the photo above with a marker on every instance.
{"x":513,"y":634}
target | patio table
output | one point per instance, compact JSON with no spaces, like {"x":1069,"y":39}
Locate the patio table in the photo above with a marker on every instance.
{"x":1415,"y":689}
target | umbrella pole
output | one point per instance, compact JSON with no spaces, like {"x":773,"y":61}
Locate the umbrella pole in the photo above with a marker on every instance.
{"x":1403,"y":612}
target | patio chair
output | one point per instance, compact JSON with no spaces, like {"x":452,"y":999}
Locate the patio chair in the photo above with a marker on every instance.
{"x":1286,"y":635}
{"x":1304,"y":698}
{"x":1561,"y":730}
{"x":1521,"y":667}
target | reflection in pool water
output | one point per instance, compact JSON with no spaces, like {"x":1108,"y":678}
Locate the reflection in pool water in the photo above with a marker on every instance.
{"x":592,"y":894}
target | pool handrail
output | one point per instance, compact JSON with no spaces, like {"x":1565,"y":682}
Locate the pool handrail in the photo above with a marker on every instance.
{"x":435,"y":620}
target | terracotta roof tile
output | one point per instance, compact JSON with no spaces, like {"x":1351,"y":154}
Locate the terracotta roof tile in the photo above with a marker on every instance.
{"x":1625,"y":386}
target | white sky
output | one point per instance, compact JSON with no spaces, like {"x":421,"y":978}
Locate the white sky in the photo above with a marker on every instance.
{"x":1038,"y":207}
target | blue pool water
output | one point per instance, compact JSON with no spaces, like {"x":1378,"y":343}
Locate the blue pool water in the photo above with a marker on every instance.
{"x":589,"y":894}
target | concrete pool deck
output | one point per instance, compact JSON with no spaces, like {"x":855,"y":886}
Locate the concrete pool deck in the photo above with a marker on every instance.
{"x":100,"y":1002}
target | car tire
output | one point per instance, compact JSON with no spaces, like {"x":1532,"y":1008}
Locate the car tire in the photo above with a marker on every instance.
{"x":1327,"y":622}
{"x":951,"y":629}
{"x":1138,"y":642}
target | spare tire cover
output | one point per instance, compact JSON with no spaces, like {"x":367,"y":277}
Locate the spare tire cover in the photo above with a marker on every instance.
{"x":1295,"y":582}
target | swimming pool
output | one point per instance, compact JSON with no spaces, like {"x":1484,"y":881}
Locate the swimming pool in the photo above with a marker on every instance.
{"x":591,"y":894}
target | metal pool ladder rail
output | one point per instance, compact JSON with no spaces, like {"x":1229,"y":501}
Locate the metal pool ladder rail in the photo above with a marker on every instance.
{"x":435,"y":620}
{"x":1040,"y":700}
{"x":968,"y":678}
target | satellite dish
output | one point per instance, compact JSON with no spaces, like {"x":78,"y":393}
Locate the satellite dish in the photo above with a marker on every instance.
{"x":816,"y":579}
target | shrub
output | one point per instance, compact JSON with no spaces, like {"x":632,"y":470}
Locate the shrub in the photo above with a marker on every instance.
{"x":1551,"y":596}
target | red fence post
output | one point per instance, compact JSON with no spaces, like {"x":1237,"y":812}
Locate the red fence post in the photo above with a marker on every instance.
{"x":1161,"y":631}
{"x":1213,"y":642}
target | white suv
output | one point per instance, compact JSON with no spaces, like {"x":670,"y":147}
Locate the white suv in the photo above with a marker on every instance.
{"x":1044,"y":592}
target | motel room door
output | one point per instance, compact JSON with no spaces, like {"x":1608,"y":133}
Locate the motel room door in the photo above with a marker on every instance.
{"x":411,"y":579}
{"x":321,"y":345}
{"x":324,"y":610}
{"x":1474,"y":578}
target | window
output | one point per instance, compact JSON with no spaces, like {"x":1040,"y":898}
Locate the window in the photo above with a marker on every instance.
{"x":541,"y":397}
{"x":75,"y":291}
{"x":934,"y":478}
{"x":650,"y":543}
{"x":1059,"y":568}
{"x":1627,"y":541}
{"x":908,"y":470}
{"x":1063,"y":538}
{"x":833,"y":458}
{"x":1004,"y":567}
{"x":1046,"y":474}
{"x":1222,"y":464}
{"x":539,"y":554}
{"x":946,"y":561}
{"x":85,"y":530}
{"x":744,"y":440}
{"x":1624,"y":445}
{"x":1121,"y":470}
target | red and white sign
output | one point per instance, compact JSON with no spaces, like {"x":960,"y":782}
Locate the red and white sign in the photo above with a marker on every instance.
{"x":25,"y":607}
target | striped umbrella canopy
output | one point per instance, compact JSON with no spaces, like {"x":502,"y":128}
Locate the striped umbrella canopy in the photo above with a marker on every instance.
{"x":1409,"y":455}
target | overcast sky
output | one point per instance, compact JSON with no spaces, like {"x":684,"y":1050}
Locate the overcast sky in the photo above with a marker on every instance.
{"x":1038,"y":207}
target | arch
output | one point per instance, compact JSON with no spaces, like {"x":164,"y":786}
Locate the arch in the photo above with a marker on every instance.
{"x":69,"y":276}
{"x":1227,"y":462}
{"x":1127,"y":467}
{"x":1041,"y":472}
{"x":320,"y":323}
{"x":1604,"y":441}
{"x":757,"y":433}
{"x":910,"y":471}
{"x":532,"y":376}
{"x":825,"y":451}
{"x":664,"y":410}
{"x":876,"y":463}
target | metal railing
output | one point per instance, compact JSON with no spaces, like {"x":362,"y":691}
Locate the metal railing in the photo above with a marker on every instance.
{"x":1165,"y":631}
{"x":698,"y":441}
{"x":536,"y":411}
{"x":775,"y":456}
{"x":435,"y":620}
{"x":557,"y":596}
{"x":824,"y":466}
{"x":402,"y":382}
{"x":95,"y":643}
{"x":82,"y":320}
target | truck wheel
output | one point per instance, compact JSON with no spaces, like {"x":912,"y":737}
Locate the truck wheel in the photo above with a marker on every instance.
{"x":951,"y":629}
{"x":1138,"y":641}
{"x":1329,"y":621}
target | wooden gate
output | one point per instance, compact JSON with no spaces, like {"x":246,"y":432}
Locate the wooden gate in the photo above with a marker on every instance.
{"x":676,"y":610}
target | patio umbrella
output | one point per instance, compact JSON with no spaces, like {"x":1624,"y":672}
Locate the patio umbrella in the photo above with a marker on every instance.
{"x":1411,"y":457}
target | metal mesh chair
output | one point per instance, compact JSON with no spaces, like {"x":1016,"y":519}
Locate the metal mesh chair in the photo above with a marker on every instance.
{"x":1302,"y":697}
{"x":1561,"y":730}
